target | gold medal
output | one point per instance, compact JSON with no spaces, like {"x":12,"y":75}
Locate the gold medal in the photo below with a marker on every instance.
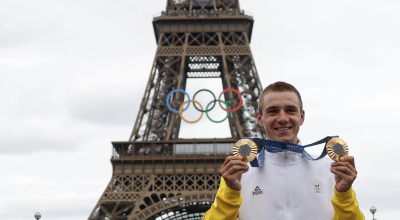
{"x":245,"y":148}
{"x":337,"y":148}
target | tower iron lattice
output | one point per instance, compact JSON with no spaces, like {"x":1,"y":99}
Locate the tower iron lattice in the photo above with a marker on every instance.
{"x":155,"y":176}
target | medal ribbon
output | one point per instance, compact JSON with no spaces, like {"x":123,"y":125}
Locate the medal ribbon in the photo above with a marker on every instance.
{"x":279,"y":146}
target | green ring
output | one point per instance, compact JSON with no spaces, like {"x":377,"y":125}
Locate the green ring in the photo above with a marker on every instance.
{"x":227,"y":107}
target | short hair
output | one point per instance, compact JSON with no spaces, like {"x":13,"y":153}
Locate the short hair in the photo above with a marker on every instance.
{"x":278,"y":87}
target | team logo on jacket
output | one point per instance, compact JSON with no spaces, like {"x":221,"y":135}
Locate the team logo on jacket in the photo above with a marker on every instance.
{"x":317,"y":188}
{"x":257,"y":191}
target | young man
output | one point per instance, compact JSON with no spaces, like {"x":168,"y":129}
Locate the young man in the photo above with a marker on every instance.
{"x":287,"y":186}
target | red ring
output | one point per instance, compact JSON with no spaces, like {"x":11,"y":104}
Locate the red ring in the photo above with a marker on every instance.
{"x":240,"y":102}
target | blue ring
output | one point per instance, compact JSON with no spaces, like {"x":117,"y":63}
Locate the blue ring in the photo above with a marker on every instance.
{"x":169,"y":95}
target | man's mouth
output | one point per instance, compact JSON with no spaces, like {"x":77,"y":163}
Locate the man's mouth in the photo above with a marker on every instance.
{"x":282,"y":129}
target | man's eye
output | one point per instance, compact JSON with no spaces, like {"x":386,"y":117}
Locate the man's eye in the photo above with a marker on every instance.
{"x":272,"y":111}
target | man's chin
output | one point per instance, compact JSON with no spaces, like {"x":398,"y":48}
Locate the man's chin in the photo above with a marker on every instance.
{"x":286,"y":139}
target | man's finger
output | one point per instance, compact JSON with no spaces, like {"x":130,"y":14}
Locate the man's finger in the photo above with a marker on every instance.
{"x":348,"y":179}
{"x":344,"y":169}
{"x":232,"y":163}
{"x":232,"y":168}
{"x":230,"y":158}
{"x":349,"y":159}
{"x":344,"y":164}
{"x":234,"y":175}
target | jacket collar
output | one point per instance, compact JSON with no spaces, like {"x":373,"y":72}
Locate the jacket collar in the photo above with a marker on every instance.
{"x":282,"y":158}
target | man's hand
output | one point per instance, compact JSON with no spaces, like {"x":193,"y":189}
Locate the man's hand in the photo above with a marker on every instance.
{"x":345,"y":173}
{"x":232,"y":171}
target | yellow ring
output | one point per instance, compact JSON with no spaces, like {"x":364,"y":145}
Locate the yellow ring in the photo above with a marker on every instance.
{"x":181,"y":107}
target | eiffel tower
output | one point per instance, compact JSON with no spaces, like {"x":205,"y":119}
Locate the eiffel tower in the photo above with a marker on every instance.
{"x":156,"y":174}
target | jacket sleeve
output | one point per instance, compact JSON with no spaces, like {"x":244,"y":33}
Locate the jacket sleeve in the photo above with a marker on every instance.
{"x":226,"y":205}
{"x":346,"y":206}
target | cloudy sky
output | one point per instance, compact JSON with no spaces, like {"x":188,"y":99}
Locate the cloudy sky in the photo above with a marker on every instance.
{"x":73,"y":73}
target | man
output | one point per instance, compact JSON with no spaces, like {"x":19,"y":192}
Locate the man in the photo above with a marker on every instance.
{"x":287,"y":186}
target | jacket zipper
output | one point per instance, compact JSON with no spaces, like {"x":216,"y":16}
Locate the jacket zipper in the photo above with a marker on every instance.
{"x":287,"y":186}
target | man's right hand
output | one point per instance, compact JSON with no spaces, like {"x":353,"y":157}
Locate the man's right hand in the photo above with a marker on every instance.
{"x":232,"y":171}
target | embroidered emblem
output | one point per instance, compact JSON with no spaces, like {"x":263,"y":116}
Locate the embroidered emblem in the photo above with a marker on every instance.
{"x":257,"y":191}
{"x":317,"y":188}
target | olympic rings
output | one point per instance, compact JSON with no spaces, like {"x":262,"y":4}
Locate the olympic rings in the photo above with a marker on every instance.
{"x":194,"y":101}
{"x":207,"y":106}
{"x":240,"y":102}
{"x":181,"y":109}
{"x":169,"y":95}
{"x":227,"y":106}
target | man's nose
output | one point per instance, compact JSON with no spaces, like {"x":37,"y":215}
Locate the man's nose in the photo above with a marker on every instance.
{"x":282,"y":117}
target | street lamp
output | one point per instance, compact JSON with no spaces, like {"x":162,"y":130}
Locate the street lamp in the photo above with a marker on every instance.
{"x":38,"y":215}
{"x":372,"y":210}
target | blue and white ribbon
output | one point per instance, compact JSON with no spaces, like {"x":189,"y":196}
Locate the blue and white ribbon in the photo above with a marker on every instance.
{"x":279,"y":146}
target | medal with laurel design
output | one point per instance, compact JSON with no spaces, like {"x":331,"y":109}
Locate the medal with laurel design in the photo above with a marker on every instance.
{"x":336,"y":148}
{"x":245,"y":148}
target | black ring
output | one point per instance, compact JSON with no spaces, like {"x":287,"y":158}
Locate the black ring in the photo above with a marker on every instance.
{"x":211,"y":94}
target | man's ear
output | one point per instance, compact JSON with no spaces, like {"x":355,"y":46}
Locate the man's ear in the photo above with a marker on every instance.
{"x":259,"y":120}
{"x":303,"y":113}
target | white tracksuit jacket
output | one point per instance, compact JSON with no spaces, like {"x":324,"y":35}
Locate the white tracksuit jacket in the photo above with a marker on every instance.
{"x":288,"y":187}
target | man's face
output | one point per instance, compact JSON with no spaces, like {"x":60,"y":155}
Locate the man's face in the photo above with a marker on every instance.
{"x":282,"y":117}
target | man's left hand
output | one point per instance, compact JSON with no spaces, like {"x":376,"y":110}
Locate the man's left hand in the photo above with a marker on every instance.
{"x":345,"y":173}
